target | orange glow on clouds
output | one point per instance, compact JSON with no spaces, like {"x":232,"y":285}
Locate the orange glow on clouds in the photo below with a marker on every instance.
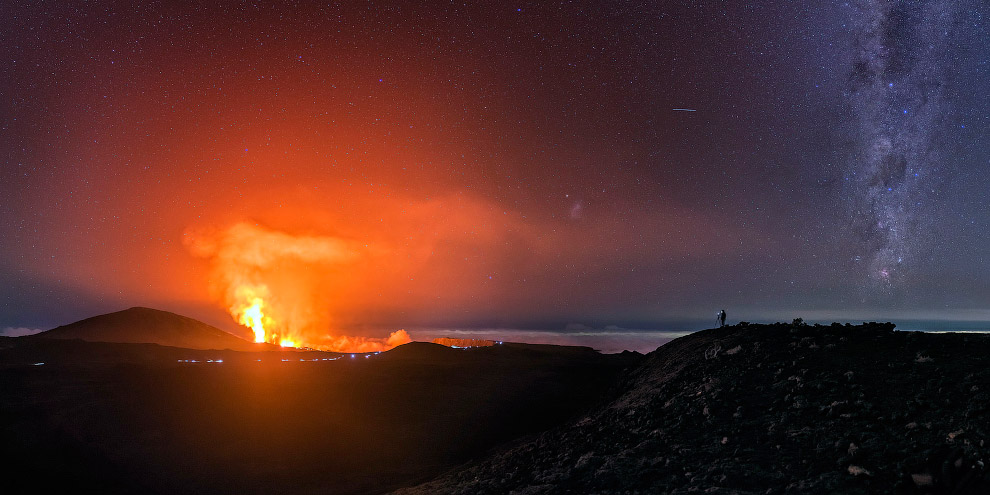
{"x":339,"y":193}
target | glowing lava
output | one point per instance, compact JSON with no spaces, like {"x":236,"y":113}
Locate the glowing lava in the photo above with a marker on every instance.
{"x":248,"y":311}
{"x":252,"y":317}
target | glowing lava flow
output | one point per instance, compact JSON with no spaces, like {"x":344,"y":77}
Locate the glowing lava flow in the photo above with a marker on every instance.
{"x":248,"y":309}
{"x":252,"y":317}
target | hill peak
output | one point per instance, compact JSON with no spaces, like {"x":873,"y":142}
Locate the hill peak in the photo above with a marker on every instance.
{"x":140,"y":324}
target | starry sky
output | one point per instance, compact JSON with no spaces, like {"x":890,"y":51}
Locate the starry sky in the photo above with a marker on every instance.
{"x":524,"y":165}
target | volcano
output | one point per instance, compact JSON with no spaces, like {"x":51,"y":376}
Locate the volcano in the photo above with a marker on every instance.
{"x":140,"y":325}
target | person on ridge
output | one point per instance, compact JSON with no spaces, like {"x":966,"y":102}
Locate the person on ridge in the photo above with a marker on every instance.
{"x":720,"y":318}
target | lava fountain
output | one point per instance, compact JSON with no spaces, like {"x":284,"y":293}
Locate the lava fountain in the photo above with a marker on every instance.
{"x":248,"y":311}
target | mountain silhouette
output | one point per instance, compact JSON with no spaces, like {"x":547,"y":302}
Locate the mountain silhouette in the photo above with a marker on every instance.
{"x":151,"y":326}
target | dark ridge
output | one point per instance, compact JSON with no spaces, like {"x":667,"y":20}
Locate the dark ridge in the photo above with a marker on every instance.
{"x":151,"y":326}
{"x":420,"y":350}
{"x":769,"y":409}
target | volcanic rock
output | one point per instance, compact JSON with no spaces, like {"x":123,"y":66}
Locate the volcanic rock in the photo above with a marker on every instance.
{"x":785,"y":408}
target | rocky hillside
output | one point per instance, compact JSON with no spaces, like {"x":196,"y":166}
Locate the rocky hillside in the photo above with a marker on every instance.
{"x":769,"y":409}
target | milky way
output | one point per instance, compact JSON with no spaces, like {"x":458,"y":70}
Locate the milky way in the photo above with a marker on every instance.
{"x":897,"y":95}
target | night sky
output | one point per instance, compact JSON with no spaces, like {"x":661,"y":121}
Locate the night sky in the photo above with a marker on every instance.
{"x":483,"y":165}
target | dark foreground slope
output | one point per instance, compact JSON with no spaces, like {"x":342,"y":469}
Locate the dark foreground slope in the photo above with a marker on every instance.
{"x":770,"y":409}
{"x":152,"y":326}
{"x":356,"y":425}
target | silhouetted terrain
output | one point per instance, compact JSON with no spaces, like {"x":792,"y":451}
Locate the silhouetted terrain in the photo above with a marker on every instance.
{"x":138,"y":418}
{"x":152,"y":326}
{"x":744,"y":409}
{"x":769,"y":409}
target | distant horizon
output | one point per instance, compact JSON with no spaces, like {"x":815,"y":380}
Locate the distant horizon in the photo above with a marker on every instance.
{"x":967,"y":318}
{"x":606,"y":338}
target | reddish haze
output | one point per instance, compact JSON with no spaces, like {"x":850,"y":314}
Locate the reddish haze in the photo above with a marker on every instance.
{"x":434,"y":201}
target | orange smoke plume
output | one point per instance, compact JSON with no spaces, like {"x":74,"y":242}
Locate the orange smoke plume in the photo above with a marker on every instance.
{"x":281,"y":285}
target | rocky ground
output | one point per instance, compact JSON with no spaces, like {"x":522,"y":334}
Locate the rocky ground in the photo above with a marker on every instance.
{"x":785,"y":408}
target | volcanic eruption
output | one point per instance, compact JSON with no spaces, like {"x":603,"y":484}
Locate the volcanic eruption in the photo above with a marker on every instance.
{"x":277,"y":284}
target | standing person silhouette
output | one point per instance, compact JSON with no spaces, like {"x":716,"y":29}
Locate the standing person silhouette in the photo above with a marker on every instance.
{"x":721,"y":318}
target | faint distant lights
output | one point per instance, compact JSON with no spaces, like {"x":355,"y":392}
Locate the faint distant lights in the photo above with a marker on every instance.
{"x":284,"y":360}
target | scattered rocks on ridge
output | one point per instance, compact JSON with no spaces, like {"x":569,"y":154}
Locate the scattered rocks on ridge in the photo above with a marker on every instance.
{"x":770,"y":409}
